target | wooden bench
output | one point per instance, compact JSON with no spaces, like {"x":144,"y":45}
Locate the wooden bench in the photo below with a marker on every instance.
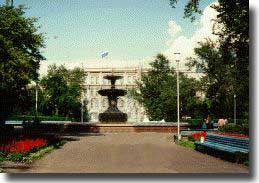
{"x":223,"y":145}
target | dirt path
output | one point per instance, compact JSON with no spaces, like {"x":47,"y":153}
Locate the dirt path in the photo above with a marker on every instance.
{"x":130,"y":153}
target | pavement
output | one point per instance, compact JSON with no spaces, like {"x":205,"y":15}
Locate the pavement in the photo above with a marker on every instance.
{"x":129,"y":153}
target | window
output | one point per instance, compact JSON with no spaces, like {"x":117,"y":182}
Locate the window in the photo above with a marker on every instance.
{"x":96,"y":80}
{"x":105,"y":103}
{"x":130,"y":79}
{"x":91,"y":91}
{"x":92,"y":103}
{"x":134,"y":79}
{"x":96,"y":104}
{"x":121,"y":81}
{"x":92,"y":79}
{"x":121,"y":103}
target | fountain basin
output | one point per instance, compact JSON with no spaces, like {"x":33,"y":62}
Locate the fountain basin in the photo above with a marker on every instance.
{"x":112,"y":92}
{"x":112,"y":77}
{"x":113,"y":117}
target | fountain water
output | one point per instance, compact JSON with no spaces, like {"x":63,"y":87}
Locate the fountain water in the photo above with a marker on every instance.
{"x":112,"y":114}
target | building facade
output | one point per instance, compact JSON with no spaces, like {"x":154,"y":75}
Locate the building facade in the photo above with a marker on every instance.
{"x":97,"y":104}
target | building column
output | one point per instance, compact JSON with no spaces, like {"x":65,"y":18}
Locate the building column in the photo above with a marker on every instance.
{"x":88,"y":78}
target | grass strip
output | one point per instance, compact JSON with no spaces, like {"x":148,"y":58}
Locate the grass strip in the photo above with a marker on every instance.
{"x":39,"y":154}
{"x":186,"y":143}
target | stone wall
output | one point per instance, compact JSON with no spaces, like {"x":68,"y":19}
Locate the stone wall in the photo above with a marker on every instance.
{"x":120,"y":128}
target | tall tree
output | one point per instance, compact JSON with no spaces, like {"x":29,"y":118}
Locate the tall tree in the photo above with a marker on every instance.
{"x":157,"y":92}
{"x":19,"y":56}
{"x":62,"y":92}
{"x":218,"y":81}
{"x":232,"y":27}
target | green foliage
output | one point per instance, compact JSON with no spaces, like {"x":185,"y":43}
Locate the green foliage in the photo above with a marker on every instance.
{"x":157,"y":92}
{"x":19,"y":57}
{"x":193,"y":122}
{"x":246,"y":163}
{"x":59,"y":144}
{"x":186,"y":143}
{"x":34,"y":154}
{"x":226,"y":62}
{"x":233,"y":128}
{"x":191,"y":138}
{"x":39,"y":154}
{"x":61,"y":93}
{"x":191,"y":8}
{"x":15,"y":157}
{"x":218,"y":81}
{"x":2,"y":156}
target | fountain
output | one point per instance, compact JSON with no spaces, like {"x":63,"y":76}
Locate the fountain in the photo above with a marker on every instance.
{"x":112,"y":114}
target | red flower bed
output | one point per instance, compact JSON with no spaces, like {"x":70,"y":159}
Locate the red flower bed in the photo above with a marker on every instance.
{"x":198,"y":135}
{"x":23,"y":146}
{"x":231,"y":134}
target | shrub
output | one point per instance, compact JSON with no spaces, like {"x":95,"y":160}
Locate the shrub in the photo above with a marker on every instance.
{"x":15,"y":156}
{"x":190,"y":138}
{"x":194,"y":122}
{"x":233,"y":128}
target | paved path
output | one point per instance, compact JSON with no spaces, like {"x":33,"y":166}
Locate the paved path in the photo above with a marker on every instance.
{"x":130,"y":153}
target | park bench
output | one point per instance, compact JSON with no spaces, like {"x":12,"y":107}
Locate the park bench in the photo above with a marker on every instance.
{"x":221,"y":145}
{"x":13,"y":122}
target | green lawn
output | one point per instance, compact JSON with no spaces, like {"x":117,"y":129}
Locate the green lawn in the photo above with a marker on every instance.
{"x":186,"y":143}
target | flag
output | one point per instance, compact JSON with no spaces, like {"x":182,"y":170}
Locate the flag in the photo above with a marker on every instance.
{"x":104,"y":54}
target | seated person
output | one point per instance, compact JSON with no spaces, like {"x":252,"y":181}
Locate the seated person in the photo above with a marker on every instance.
{"x":221,"y":122}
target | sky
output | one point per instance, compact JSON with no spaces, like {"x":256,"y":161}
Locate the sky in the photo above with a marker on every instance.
{"x":132,"y":31}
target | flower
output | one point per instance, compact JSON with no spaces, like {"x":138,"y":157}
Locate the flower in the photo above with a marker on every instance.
{"x":198,"y":135}
{"x":23,"y":146}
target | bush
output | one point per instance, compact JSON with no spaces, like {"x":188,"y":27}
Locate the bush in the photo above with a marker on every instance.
{"x":15,"y":156}
{"x":233,"y":128}
{"x":239,"y":121}
{"x":191,"y":138}
{"x":193,"y":122}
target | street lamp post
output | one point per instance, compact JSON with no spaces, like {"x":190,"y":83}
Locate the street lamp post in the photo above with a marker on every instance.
{"x":235,"y":110}
{"x":178,"y":98}
{"x":82,"y":111}
{"x":235,"y":96}
{"x":36,"y":100}
{"x":84,"y":103}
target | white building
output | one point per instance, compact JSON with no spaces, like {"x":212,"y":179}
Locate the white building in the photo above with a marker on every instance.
{"x":98,"y":104}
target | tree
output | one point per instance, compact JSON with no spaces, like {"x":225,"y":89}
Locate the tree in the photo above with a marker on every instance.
{"x":19,"y":56}
{"x":157,"y":92}
{"x":218,"y":80}
{"x":232,"y":52}
{"x":191,"y":104}
{"x":62,"y":92}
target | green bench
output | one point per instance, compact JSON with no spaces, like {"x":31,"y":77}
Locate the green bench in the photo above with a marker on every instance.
{"x":214,"y":144}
